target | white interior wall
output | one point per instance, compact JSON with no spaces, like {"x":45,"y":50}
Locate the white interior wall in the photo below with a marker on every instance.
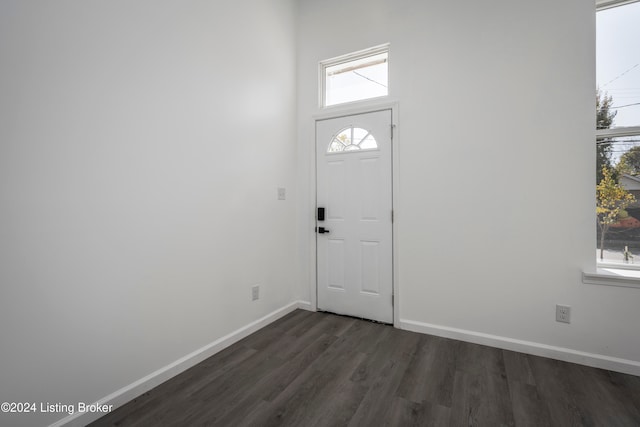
{"x":141,"y":147}
{"x":495,"y":212}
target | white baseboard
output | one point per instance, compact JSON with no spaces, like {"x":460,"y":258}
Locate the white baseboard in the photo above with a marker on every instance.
{"x":305,"y":305}
{"x":559,"y":353}
{"x":130,"y":392}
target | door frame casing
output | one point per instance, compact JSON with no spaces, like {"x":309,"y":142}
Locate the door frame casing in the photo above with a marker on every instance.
{"x":333,"y":113}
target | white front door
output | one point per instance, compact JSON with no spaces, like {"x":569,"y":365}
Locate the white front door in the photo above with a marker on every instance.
{"x":354,"y":241}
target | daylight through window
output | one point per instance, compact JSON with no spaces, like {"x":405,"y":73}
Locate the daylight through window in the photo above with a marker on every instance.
{"x":351,"y":139}
{"x":618,"y":135}
{"x":355,"y":77}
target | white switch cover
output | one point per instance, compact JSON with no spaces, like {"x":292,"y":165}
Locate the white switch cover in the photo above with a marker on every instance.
{"x":282,"y":193}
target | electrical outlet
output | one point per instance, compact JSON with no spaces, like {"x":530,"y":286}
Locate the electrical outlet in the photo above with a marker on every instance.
{"x":563,"y":313}
{"x":255,"y":292}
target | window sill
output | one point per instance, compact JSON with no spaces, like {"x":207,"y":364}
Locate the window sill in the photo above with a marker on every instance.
{"x":613,"y":276}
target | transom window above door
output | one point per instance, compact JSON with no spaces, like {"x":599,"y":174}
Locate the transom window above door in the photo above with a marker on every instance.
{"x":352,"y":139}
{"x":355,"y":77}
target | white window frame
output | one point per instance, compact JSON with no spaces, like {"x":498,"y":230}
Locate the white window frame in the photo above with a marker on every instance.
{"x":608,"y":273}
{"x":608,"y":4}
{"x":348,"y":58}
{"x":616,"y":133}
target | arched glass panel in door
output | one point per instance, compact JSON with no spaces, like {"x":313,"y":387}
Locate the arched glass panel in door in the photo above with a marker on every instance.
{"x":352,"y":139}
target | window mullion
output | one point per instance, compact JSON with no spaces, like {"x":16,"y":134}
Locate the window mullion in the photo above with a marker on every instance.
{"x":615,"y":132}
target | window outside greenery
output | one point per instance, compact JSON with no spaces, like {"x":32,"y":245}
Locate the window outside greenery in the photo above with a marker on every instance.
{"x":618,"y":135}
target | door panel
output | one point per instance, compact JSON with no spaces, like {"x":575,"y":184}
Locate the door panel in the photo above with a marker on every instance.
{"x":369,"y":262}
{"x":369,"y":174}
{"x":355,"y":260}
{"x":336,"y":189}
{"x":335,"y":267}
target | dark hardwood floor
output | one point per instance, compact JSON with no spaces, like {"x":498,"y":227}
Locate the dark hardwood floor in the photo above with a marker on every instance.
{"x":318,"y":369}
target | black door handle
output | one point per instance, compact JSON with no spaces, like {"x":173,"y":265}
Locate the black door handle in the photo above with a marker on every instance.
{"x":322,"y":230}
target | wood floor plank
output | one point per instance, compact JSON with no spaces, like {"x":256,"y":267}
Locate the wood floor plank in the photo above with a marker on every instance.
{"x":219,"y":398}
{"x":254,"y":417}
{"x":318,"y":369}
{"x":308,"y":334}
{"x":481,"y":399}
{"x":375,"y":404}
{"x":517,"y":367}
{"x":479,"y":359}
{"x":285,"y":323}
{"x":529,"y":410}
{"x":408,"y":414}
{"x":337,"y":325}
{"x":159,"y":401}
{"x":338,"y":403}
{"x":264,"y":339}
{"x":430,"y":375}
{"x":369,"y":369}
{"x":628,"y":386}
{"x":358,"y":338}
{"x":211,"y":371}
{"x":603,"y":401}
{"x":295,"y":367}
{"x":302,"y":325}
{"x":298,"y":404}
{"x":555,"y":388}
